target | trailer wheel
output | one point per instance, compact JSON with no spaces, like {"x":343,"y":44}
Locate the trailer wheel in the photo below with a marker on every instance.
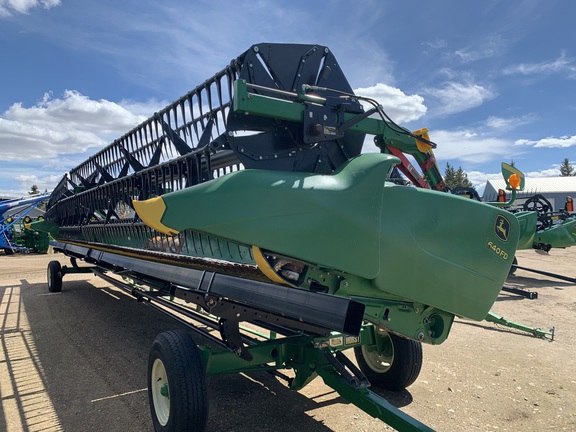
{"x":54,"y":276}
{"x":395,"y":366}
{"x":177,"y":384}
{"x":513,"y":269}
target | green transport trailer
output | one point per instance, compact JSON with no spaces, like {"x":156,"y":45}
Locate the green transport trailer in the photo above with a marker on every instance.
{"x":248,"y":208}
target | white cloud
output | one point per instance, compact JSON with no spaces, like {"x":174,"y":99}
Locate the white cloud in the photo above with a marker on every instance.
{"x":55,"y":127}
{"x":436,"y":44}
{"x":468,"y":146}
{"x":10,"y":7}
{"x":17,"y":178}
{"x":549,"y":142}
{"x":456,"y":97}
{"x":479,"y":179}
{"x":74,"y":110}
{"x":549,"y":172}
{"x":44,"y":182}
{"x":143,"y":110}
{"x":561,"y":64}
{"x":468,"y":55}
{"x":398,"y":105}
{"x":508,"y":123}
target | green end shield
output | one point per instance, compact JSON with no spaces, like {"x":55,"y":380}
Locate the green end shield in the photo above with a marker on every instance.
{"x":414,"y":244}
{"x":44,"y":226}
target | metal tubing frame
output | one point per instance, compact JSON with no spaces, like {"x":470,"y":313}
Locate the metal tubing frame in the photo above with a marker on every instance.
{"x":332,"y":313}
{"x":309,"y":355}
{"x":29,"y":205}
{"x":535,"y":331}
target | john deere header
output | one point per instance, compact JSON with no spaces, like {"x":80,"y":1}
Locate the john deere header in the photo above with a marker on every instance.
{"x":259,"y":173}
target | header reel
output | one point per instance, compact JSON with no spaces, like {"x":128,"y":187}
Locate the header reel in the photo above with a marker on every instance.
{"x":199,"y":137}
{"x":282,"y":71}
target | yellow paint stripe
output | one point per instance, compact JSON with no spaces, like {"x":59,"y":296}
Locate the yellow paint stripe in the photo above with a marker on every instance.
{"x":265,"y":268}
{"x":151,"y":212}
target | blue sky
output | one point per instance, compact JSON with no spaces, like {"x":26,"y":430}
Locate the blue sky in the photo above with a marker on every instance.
{"x":493,"y":81}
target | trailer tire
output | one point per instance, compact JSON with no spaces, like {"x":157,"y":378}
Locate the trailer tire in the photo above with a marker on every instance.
{"x":512,"y":268}
{"x":177,"y":391}
{"x":54,"y":276}
{"x":394,"y":368}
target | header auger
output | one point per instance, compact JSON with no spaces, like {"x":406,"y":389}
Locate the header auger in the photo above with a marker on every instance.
{"x":251,"y":198}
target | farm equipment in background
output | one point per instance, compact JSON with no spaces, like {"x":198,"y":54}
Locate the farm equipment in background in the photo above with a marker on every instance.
{"x":554,"y":229}
{"x":249,"y":200}
{"x":14,"y":215}
{"x":542,"y":228}
{"x":527,"y":222}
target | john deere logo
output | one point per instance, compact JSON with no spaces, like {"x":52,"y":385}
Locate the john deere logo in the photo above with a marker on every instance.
{"x":502,"y":228}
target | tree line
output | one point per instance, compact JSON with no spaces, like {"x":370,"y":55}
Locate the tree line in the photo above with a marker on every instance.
{"x":457,"y":177}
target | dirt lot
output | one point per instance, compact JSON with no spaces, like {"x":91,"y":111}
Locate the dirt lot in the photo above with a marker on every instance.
{"x":76,"y":360}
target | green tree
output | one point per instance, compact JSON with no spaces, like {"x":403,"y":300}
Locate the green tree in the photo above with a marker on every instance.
{"x":34,"y":190}
{"x":455,"y":178}
{"x":449,"y":175}
{"x":566,"y":168}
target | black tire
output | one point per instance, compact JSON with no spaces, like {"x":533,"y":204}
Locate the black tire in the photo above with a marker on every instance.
{"x":177,"y":384}
{"x":394,"y":368}
{"x":8,"y":251}
{"x":54,"y":276}
{"x":512,"y":268}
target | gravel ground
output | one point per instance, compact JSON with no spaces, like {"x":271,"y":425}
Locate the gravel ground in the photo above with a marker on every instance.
{"x":76,"y":361}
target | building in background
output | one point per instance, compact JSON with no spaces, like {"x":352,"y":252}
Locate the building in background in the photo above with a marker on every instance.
{"x":554,"y":189}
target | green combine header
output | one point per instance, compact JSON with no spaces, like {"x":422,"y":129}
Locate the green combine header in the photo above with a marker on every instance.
{"x":249,"y":200}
